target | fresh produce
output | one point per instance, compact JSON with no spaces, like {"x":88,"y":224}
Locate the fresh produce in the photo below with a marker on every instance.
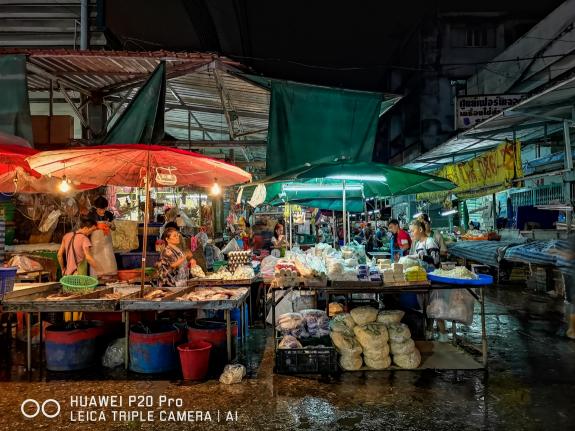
{"x":415,"y":273}
{"x":460,"y":272}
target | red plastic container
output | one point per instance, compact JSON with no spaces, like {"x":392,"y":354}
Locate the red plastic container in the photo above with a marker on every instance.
{"x":195,"y":359}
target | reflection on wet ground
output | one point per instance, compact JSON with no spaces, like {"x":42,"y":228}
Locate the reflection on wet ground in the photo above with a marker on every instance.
{"x":530,"y":385}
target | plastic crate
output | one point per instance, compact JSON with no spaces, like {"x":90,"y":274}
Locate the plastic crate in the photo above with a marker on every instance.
{"x":7,"y":278}
{"x":307,"y":360}
{"x":134,"y":260}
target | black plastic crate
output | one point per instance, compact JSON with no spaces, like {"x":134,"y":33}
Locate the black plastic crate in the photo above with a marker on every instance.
{"x":307,"y":360}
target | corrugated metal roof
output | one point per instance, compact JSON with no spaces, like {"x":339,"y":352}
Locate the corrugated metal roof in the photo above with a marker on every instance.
{"x":193,"y":86}
{"x":532,"y":119}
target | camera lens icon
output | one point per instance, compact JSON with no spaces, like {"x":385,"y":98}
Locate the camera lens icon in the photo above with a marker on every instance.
{"x":49,"y":413}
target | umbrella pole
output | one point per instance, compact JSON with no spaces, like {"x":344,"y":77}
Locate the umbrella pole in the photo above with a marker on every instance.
{"x":146,"y":221}
{"x":345,"y":221}
{"x":334,"y":227}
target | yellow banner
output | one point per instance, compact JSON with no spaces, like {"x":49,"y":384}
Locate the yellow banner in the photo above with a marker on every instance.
{"x":491,"y":172}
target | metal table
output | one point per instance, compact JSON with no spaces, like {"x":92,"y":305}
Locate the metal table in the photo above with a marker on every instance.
{"x":425,"y":287}
{"x":169,"y":303}
{"x":33,"y":300}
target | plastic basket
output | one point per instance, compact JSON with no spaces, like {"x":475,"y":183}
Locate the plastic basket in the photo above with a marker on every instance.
{"x":7,"y":278}
{"x":78,"y":283}
{"x":308,"y":360}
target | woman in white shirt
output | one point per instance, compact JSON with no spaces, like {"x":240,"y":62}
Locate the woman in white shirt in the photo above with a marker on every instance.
{"x":427,"y":250}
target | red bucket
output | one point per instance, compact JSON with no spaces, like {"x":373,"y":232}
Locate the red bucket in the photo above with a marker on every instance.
{"x":195,"y":358}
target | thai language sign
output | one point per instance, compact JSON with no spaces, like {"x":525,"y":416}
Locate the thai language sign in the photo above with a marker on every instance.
{"x":472,"y":110}
{"x":491,"y":172}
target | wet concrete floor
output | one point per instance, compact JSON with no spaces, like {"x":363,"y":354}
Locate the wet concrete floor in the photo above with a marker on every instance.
{"x":530,"y":385}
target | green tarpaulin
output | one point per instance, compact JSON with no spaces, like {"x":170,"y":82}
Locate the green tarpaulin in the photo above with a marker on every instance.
{"x":377,"y":179}
{"x":310,"y":124}
{"x":143,"y":120}
{"x":351,"y":205}
{"x":15,"y":116}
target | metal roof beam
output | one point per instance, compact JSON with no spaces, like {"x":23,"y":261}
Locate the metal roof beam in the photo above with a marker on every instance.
{"x":173,"y":72}
{"x":35,"y":69}
{"x":183,"y":105}
{"x":207,"y":109}
{"x":516,"y":113}
{"x":220,"y":144}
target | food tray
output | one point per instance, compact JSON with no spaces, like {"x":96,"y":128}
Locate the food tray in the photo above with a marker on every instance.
{"x":483,"y":280}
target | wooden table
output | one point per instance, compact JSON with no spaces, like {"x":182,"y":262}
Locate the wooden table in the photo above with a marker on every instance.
{"x":170,"y":303}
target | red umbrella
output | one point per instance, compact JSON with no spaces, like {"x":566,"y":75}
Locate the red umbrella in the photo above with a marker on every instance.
{"x":125,"y":165}
{"x":16,"y":174}
{"x":138,"y":165}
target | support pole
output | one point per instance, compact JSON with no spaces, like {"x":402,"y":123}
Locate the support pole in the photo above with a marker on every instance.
{"x":494,"y":200}
{"x":84,"y":25}
{"x":345,"y":222}
{"x":334,"y":228}
{"x":146,"y":221}
{"x":568,"y":168}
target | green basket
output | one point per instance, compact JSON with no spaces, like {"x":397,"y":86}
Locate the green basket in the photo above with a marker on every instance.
{"x":78,"y":283}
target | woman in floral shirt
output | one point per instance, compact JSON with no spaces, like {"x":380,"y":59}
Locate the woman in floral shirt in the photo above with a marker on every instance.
{"x":173,"y":263}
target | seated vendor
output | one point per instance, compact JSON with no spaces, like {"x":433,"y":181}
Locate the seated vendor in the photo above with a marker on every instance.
{"x":173,"y":264}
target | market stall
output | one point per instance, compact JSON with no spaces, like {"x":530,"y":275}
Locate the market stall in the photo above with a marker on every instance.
{"x":190,"y":298}
{"x":50,"y":298}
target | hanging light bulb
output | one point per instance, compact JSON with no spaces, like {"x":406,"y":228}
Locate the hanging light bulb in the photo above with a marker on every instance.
{"x":64,"y":185}
{"x":216,"y":189}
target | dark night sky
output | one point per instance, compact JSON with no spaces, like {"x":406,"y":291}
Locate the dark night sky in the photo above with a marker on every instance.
{"x":273,"y":37}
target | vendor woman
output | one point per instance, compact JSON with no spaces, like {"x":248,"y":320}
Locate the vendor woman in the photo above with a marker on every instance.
{"x":173,"y":264}
{"x":278,"y":240}
{"x":427,"y":250}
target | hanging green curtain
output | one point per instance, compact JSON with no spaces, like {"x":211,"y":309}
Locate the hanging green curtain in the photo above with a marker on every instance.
{"x":310,"y":124}
{"x":15,"y":116}
{"x":143,"y":120}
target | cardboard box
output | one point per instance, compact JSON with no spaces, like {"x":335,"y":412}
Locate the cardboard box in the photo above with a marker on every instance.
{"x":55,"y":130}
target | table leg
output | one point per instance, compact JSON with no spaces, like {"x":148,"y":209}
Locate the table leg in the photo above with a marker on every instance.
{"x":228,"y":335}
{"x":274,"y":318}
{"x":266,"y":307}
{"x":28,"y":342}
{"x":454,"y":332}
{"x":127,"y":339}
{"x":243,"y":323}
{"x":41,"y":333}
{"x":483,"y":330}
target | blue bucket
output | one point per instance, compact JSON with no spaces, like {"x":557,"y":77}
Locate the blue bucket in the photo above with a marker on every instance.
{"x":154,"y":352}
{"x":235,"y":316}
{"x":72,"y":348}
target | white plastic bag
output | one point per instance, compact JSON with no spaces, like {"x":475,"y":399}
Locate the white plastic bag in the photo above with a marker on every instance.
{"x":233,"y":373}
{"x":114,"y":356}
{"x":103,"y":253}
{"x":454,"y":304}
{"x":231,"y":246}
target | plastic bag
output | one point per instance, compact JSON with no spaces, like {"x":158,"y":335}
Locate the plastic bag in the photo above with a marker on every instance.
{"x":233,"y":373}
{"x":316,"y":322}
{"x":49,"y":221}
{"x":454,"y":304}
{"x":289,"y":342}
{"x":103,"y":252}
{"x":25,"y":264}
{"x":114,"y":356}
{"x":231,"y":246}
